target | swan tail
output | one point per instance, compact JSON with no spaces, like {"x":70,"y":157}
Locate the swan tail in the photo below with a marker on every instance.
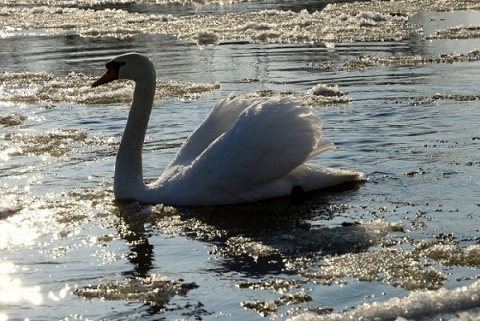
{"x":311,"y":177}
{"x":308,"y":177}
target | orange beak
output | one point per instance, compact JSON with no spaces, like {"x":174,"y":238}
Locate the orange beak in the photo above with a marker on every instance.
{"x":109,"y":76}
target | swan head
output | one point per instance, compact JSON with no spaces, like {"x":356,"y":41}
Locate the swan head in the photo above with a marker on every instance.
{"x":131,"y":66}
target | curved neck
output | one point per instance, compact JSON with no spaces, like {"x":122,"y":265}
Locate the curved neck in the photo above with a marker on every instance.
{"x":128,"y":180}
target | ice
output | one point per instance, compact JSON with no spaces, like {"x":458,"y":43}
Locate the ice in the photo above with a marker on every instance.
{"x":76,"y":88}
{"x":459,"y":32}
{"x":205,"y":38}
{"x":375,"y":16}
{"x":450,"y":254}
{"x":364,"y":62}
{"x":263,"y":26}
{"x":418,"y":304}
{"x":325,"y":90}
{"x":368,"y":21}
{"x":12,"y":119}
{"x":270,"y":308}
{"x":155,"y":290}
{"x":320,"y":95}
{"x":346,"y":22}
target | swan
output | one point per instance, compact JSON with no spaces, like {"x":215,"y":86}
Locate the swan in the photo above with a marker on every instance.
{"x":247,"y":149}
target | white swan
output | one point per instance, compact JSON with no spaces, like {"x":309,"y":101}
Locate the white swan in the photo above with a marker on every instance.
{"x":246,"y":150}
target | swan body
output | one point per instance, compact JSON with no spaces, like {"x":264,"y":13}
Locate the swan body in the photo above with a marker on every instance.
{"x":247,"y":149}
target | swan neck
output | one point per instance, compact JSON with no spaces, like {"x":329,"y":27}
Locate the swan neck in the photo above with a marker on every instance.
{"x":128,"y":180}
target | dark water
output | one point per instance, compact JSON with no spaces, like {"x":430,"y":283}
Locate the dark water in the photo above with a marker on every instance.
{"x":69,"y":252}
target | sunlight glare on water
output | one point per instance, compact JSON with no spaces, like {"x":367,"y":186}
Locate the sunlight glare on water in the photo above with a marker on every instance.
{"x":12,"y":290}
{"x":17,"y":233}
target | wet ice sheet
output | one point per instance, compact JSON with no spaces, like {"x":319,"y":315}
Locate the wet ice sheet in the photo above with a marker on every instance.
{"x":76,"y":87}
{"x":460,"y":32}
{"x":264,"y":26}
{"x":93,"y":3}
{"x":31,"y":87}
{"x":362,"y":21}
{"x":154,"y":290}
{"x":415,"y":306}
{"x":364,"y":62}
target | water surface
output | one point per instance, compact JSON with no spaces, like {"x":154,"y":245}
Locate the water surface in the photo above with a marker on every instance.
{"x":404,"y":243}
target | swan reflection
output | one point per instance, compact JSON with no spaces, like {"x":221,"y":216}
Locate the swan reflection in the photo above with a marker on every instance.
{"x":252,"y":238}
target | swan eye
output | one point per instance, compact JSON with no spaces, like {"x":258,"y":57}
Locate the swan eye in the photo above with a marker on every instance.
{"x":115,"y":65}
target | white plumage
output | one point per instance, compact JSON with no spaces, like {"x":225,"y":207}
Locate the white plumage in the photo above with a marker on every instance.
{"x":247,"y":149}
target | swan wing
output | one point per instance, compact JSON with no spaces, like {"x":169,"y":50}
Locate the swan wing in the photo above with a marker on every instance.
{"x":263,"y":155}
{"x":222,"y":117}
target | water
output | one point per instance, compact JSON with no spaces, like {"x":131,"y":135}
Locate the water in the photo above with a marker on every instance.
{"x":405,"y":243}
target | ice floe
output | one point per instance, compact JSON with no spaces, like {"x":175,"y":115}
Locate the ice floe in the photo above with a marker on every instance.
{"x":343,"y":22}
{"x":459,"y":32}
{"x":155,"y":290}
{"x":76,"y":87}
{"x":327,"y":26}
{"x":418,"y":304}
